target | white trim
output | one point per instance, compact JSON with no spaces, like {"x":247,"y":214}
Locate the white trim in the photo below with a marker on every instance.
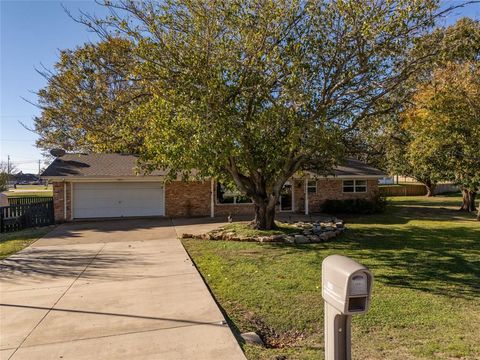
{"x":306,"y":195}
{"x":212,"y":198}
{"x":71,"y":201}
{"x":164,"y":186}
{"x":355,"y":187}
{"x":105,"y":179}
{"x":64,"y":200}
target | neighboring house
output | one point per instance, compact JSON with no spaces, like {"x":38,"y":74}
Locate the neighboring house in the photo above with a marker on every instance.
{"x":106,"y":185}
{"x":21,"y":178}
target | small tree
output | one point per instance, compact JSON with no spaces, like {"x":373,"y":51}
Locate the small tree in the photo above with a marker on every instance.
{"x":6,"y":174}
{"x":251,"y":92}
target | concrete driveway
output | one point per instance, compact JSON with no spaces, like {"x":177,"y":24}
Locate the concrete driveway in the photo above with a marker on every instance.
{"x":110,"y":290}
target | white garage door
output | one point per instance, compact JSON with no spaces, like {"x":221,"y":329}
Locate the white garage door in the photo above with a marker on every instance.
{"x":96,"y":200}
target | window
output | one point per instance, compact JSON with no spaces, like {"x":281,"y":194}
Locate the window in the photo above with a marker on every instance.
{"x":360,"y":185}
{"x":312,"y":186}
{"x":354,"y":186}
{"x":230,"y":195}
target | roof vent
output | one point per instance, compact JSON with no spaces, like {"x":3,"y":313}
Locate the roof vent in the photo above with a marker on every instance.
{"x":57,"y":152}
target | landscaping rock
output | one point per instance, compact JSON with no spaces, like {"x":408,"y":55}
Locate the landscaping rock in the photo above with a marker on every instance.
{"x":322,"y":237}
{"x":314,"y":239}
{"x":301,"y":239}
{"x":317,"y":230}
{"x":329,"y":235}
{"x":278,"y":238}
{"x":289,"y":239}
{"x":187,"y":236}
{"x":252,"y":338}
{"x":339,"y":225}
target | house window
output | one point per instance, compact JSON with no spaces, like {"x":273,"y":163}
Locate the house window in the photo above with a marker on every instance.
{"x":354,"y":186}
{"x":312,"y":186}
{"x":230,"y":195}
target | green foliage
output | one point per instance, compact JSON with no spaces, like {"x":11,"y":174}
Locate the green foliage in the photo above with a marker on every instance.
{"x":445,"y":121}
{"x":86,"y":103}
{"x":243,"y":91}
{"x":355,"y":206}
{"x":392,"y":144}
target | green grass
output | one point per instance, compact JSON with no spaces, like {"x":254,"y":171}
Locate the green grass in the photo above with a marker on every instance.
{"x":12,"y":242}
{"x":30,"y":190}
{"x":425,"y":257}
{"x":243,"y":229}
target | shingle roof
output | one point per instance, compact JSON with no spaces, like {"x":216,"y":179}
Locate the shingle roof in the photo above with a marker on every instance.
{"x":353,"y":167}
{"x":95,"y":165}
{"x":119,"y":165}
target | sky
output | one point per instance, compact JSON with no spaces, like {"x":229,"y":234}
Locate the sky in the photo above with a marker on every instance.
{"x":31,"y":35}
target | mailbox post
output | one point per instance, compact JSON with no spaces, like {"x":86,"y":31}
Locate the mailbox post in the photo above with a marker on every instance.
{"x":346,"y":289}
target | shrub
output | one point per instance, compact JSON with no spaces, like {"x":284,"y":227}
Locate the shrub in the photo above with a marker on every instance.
{"x":356,"y":206}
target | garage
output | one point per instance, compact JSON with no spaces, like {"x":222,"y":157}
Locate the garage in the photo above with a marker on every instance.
{"x":117,"y":199}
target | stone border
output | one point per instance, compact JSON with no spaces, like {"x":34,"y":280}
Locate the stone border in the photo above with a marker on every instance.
{"x":308,"y":232}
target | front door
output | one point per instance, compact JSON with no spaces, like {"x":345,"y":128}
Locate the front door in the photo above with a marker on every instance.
{"x":286,"y":198}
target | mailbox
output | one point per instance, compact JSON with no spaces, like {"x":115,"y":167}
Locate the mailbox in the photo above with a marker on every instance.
{"x":346,"y":289}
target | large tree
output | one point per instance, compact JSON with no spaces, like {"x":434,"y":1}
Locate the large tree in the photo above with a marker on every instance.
{"x":252,"y":91}
{"x":88,"y":94}
{"x":445,"y":122}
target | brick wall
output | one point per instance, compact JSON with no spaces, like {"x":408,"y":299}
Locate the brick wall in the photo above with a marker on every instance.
{"x":328,"y":189}
{"x":58,"y":201}
{"x":193,"y":198}
{"x":234,"y":209}
{"x":190,"y":198}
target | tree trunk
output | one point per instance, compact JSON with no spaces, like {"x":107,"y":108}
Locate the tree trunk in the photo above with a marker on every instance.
{"x":468,"y":201}
{"x":478,"y":214}
{"x":430,"y":188}
{"x":264,"y":215}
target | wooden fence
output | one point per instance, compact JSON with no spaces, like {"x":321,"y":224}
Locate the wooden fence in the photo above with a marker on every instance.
{"x":21,"y":200}
{"x":403,"y":190}
{"x":415,"y":189}
{"x":17,"y":217}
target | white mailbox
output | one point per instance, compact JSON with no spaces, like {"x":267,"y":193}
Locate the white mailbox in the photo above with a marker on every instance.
{"x":346,"y":289}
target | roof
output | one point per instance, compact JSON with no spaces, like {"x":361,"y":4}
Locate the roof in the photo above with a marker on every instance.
{"x":95,"y":165}
{"x":120,"y":165}
{"x":353,"y":167}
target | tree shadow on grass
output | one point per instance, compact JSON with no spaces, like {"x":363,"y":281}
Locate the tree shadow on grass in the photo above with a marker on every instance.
{"x":442,"y":261}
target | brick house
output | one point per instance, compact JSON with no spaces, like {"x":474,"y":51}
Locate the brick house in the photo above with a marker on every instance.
{"x":87,"y":186}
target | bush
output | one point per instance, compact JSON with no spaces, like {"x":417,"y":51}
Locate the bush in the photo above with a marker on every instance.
{"x":356,"y":206}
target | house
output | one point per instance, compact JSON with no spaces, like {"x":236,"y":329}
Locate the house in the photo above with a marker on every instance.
{"x":87,"y":186}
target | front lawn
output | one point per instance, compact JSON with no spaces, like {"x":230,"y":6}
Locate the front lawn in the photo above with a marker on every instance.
{"x":12,"y":242}
{"x":425,"y":257}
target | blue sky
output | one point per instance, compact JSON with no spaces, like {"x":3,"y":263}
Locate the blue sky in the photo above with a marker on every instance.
{"x":32,"y":32}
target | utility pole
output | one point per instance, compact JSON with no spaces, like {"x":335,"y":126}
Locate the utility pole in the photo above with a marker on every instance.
{"x":39,"y":167}
{"x":8,"y":167}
